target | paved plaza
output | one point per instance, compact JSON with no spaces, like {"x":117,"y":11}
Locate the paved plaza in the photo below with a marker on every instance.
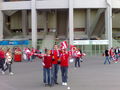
{"x":93,"y":75}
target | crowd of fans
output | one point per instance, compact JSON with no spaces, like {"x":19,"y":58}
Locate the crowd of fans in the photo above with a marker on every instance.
{"x":52,"y":60}
{"x":112,"y":55}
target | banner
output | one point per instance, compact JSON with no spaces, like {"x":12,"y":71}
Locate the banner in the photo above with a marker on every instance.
{"x":14,"y":42}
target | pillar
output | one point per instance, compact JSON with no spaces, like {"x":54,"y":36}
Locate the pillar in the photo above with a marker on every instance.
{"x":45,"y":22}
{"x":71,"y":27}
{"x":1,"y":24}
{"x":88,"y":22}
{"x":108,"y":23}
{"x":24,"y":22}
{"x":34,"y":23}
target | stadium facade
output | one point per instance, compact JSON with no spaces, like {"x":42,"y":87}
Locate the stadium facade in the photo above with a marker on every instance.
{"x":81,"y":22}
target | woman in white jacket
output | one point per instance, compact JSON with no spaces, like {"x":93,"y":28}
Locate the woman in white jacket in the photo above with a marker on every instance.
{"x":8,"y":61}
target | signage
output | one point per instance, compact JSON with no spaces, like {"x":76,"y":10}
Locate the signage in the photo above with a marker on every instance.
{"x":91,"y":42}
{"x":14,"y":42}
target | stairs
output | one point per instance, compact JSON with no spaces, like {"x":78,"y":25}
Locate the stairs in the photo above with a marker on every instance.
{"x":48,"y":41}
{"x":96,"y":25}
{"x":116,"y":43}
{"x":10,"y":12}
{"x":80,"y":35}
{"x":100,"y":26}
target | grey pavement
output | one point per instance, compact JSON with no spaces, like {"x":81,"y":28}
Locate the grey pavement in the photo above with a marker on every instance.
{"x":92,"y":75}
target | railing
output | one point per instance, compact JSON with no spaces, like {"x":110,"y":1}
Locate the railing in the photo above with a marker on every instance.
{"x":14,"y":0}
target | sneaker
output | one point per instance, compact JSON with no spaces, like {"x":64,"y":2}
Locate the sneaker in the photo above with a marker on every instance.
{"x":65,"y":84}
{"x":3,"y":72}
{"x":11,"y":73}
{"x":56,"y":83}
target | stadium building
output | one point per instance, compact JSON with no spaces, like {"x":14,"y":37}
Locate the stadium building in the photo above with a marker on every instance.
{"x":92,"y":25}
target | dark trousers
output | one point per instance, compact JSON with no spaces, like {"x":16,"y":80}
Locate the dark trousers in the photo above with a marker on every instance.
{"x":33,"y":57}
{"x":64,"y":74}
{"x":77,"y":62}
{"x":46,"y":75}
{"x":8,"y":67}
{"x":2,"y":61}
{"x":55,"y":72}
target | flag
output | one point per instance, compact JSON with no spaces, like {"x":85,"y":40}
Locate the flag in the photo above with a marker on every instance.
{"x":64,"y":45}
{"x":72,"y":47}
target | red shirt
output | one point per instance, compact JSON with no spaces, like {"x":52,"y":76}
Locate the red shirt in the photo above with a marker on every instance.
{"x":55,"y":55}
{"x":111,"y":52}
{"x":64,"y":59}
{"x":77,"y":54}
{"x":2,"y":54}
{"x":47,"y":61}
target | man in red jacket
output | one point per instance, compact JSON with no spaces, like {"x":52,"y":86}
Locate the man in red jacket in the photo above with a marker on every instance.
{"x":55,"y":58}
{"x":64,"y":66}
{"x":47,"y":65}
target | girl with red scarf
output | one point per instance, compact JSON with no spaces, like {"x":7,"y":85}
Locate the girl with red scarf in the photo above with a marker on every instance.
{"x":64,"y":58}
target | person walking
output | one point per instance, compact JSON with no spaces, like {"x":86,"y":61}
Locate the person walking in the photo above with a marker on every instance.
{"x":77,"y":56}
{"x":106,"y":57}
{"x":8,"y":61}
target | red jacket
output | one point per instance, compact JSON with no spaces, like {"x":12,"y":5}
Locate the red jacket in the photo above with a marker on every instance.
{"x":55,"y":56}
{"x":2,"y":54}
{"x":77,"y":54}
{"x":111,"y":52}
{"x":47,"y":60}
{"x":64,"y":59}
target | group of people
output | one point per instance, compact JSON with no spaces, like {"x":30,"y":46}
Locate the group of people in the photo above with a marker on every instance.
{"x":55,"y":58}
{"x":112,"y":54}
{"x":52,"y":60}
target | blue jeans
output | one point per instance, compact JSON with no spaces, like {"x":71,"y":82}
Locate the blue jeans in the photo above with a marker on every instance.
{"x":64,"y":73}
{"x":116,"y":56}
{"x":77,"y":62}
{"x":107,"y":59}
{"x":46,"y":75}
{"x":32,"y":57}
{"x":111,"y":58}
{"x":55,"y":72}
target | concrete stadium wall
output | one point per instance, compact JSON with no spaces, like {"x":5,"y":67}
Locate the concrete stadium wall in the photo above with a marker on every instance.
{"x":16,"y":21}
{"x":79,"y":19}
{"x":116,"y":20}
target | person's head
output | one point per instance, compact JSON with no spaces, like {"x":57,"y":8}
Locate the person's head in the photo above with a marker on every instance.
{"x":8,"y":50}
{"x":48,"y":52}
{"x":55,"y":46}
{"x":63,"y":50}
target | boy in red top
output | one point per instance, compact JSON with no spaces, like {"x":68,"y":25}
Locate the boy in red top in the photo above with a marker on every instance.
{"x":64,"y":66}
{"x":55,"y":58}
{"x":47,"y":65}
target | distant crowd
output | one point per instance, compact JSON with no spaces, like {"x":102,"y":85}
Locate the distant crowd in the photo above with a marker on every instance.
{"x":112,"y":55}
